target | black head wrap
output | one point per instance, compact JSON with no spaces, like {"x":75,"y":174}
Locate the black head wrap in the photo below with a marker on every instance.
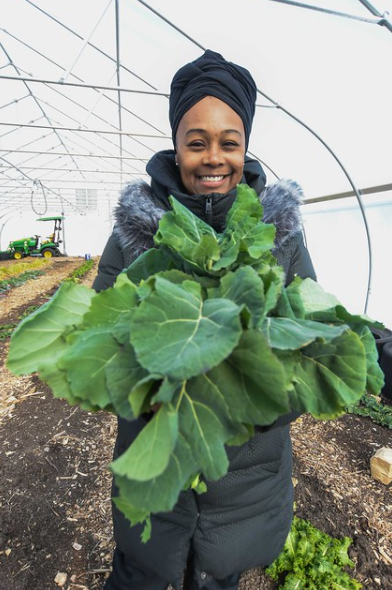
{"x":212,"y":75}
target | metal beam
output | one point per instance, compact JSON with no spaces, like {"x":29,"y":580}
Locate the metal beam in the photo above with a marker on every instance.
{"x":80,"y":85}
{"x":87,"y":155}
{"x":117,"y":20}
{"x":363,"y":191}
{"x":59,"y":169}
{"x":384,"y":21}
{"x":327,"y":11}
{"x":79,"y":130}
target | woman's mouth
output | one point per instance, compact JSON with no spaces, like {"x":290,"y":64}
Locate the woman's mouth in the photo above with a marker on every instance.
{"x":212,"y":182}
{"x":212,"y":178}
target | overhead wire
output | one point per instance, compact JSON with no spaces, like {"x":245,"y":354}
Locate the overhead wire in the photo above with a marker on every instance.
{"x":86,"y":41}
{"x":98,"y":134}
{"x":32,"y":179}
{"x":15,"y":101}
{"x":35,"y":80}
{"x":39,"y":213}
{"x":79,"y":130}
{"x":79,"y":79}
{"x":31,"y":93}
{"x":90,"y":44}
{"x":84,"y":108}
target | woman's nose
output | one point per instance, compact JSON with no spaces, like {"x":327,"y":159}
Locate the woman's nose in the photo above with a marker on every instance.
{"x":213,"y":156}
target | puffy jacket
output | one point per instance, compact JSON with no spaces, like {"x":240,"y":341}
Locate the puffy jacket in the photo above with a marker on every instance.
{"x":243,"y":519}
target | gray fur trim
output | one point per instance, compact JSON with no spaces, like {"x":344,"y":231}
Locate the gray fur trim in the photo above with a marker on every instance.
{"x":137,"y":213}
{"x":282,"y":201}
{"x":137,"y":218}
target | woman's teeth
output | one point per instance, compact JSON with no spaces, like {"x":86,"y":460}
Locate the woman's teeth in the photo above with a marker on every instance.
{"x":211,"y":178}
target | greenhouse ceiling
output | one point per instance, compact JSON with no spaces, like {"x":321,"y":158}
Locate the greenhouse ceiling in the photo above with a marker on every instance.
{"x":84,"y":92}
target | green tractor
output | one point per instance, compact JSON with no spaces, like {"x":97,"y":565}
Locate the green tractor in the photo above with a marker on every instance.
{"x":35,"y":246}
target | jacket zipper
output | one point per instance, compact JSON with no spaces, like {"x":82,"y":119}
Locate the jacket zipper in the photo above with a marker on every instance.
{"x":208,"y":210}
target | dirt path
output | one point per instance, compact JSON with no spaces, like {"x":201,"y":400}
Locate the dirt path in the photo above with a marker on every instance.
{"x":55,"y":486}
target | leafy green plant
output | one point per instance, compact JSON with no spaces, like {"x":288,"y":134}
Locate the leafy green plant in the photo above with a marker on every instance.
{"x":6,"y":330}
{"x":203,"y":328}
{"x":80,"y":272}
{"x":373,"y":408}
{"x":9,"y":283}
{"x":312,"y":560}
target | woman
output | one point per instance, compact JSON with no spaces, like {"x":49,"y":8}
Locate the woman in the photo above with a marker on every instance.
{"x":243,"y":519}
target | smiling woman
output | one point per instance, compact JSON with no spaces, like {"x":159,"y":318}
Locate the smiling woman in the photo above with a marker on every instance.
{"x":210,"y":145}
{"x":243,"y":519}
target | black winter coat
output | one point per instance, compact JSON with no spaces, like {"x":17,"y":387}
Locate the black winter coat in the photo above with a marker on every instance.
{"x":243,"y":519}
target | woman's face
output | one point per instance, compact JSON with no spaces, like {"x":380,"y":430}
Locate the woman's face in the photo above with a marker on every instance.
{"x":210,"y":146}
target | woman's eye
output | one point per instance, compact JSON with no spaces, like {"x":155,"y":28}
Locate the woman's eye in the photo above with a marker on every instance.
{"x":230,"y":144}
{"x":196,"y":144}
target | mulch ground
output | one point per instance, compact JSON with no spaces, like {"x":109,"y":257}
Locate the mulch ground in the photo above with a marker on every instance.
{"x":55,"y":513}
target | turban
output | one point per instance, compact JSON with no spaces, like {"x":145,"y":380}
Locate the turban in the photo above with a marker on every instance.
{"x":212,"y":75}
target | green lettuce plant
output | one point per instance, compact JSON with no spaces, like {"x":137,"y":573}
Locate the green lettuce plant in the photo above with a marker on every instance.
{"x":312,"y":560}
{"x":202,"y":327}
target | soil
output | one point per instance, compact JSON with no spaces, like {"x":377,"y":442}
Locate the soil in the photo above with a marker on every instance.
{"x":55,"y":519}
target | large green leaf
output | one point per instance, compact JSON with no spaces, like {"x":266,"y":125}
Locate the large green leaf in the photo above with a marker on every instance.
{"x":122,"y":373}
{"x":148,"y":264}
{"x":184,"y":233}
{"x":245,"y":234}
{"x":205,"y":433}
{"x":321,"y":306}
{"x":330,"y":376}
{"x":251,"y":385}
{"x":150,"y":453}
{"x":293,"y":333}
{"x":160,"y":494}
{"x":360,"y":318}
{"x":273,"y":277}
{"x":244,"y":287}
{"x":58,"y":383}
{"x":317,"y":304}
{"x":38,"y":339}
{"x":84,"y":364}
{"x":111,"y":306}
{"x":375,"y":377}
{"x":176,"y":334}
{"x":112,"y":309}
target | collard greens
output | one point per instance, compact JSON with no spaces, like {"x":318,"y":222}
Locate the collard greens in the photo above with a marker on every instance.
{"x":202,"y":328}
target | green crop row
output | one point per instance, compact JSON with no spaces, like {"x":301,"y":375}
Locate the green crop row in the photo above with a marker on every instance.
{"x":9,"y":283}
{"x":6,"y":284}
{"x":79,"y":273}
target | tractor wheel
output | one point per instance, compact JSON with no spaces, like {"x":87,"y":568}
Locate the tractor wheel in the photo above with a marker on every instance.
{"x":48,"y":253}
{"x":17,"y":255}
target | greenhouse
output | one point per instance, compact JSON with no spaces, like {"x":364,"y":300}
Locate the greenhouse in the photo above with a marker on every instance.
{"x":84,"y":106}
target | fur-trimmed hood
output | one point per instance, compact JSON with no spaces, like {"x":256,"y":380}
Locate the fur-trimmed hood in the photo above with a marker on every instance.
{"x":138,"y":213}
{"x":141,"y":206}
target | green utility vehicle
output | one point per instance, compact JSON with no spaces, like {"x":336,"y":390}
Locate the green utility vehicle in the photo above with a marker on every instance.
{"x":35,"y":245}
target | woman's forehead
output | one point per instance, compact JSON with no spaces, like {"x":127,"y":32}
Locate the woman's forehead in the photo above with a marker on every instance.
{"x":210,"y":112}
